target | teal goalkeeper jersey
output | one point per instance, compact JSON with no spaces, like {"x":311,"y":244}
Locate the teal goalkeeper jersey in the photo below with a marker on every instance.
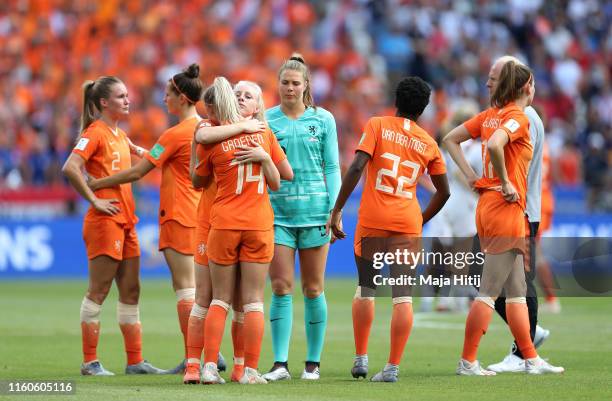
{"x":311,"y":146}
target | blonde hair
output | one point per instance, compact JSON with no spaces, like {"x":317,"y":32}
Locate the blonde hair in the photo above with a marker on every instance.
{"x":93,"y":91}
{"x":260,"y":115}
{"x":296,"y":63}
{"x":221,"y":97}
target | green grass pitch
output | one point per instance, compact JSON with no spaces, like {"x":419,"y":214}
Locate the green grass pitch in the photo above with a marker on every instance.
{"x":40,"y":339}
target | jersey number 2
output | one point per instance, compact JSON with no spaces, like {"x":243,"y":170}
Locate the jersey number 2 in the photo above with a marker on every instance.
{"x":115,"y":163}
{"x":401,"y":180}
{"x":249,"y":178}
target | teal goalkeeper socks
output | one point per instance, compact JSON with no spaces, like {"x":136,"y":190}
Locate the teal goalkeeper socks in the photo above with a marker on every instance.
{"x":281,"y":322}
{"x":315,"y":322}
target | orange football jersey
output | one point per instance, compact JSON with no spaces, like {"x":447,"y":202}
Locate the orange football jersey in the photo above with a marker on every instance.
{"x":178,"y":199}
{"x":210,"y":192}
{"x":107,"y":152}
{"x":517,"y":152}
{"x":242,"y":201}
{"x":400,"y":153}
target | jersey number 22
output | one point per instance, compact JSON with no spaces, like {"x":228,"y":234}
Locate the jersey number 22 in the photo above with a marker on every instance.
{"x":401,"y":180}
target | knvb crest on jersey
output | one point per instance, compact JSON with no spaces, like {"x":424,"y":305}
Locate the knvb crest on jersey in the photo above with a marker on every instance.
{"x":312,"y":130}
{"x":201,"y":248}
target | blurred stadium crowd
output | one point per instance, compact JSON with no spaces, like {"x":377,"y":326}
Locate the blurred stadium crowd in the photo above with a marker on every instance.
{"x":357,"y":50}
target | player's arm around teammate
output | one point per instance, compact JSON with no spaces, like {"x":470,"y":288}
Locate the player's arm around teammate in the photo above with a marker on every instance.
{"x":178,"y":200}
{"x":250,"y":102}
{"x":301,"y":208}
{"x":396,"y":152}
{"x":252,"y":108}
{"x":507,"y":150}
{"x":109,"y":226}
{"x":241,"y":236}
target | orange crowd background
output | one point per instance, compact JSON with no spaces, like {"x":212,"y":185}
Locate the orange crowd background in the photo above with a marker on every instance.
{"x":357,"y":51}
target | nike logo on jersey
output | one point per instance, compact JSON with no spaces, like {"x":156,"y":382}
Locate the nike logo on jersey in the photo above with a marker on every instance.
{"x":275,"y":319}
{"x":311,"y":322}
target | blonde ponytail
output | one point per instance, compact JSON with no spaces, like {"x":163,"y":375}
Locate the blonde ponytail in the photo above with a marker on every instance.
{"x":223,"y":100}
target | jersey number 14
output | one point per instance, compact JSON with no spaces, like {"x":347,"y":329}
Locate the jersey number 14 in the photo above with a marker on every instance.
{"x":250,"y":177}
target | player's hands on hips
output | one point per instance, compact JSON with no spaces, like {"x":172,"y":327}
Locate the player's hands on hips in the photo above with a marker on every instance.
{"x":106,"y":206}
{"x":509,"y":192}
{"x":250,"y":154}
{"x":335,"y":225}
{"x":252,"y":126}
{"x":472,"y":183}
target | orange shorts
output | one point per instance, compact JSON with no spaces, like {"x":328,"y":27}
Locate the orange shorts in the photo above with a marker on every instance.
{"x":371,"y":240}
{"x":226,"y":247}
{"x":500,"y":224}
{"x":200,"y":255}
{"x":174,"y":235}
{"x":107,"y":237}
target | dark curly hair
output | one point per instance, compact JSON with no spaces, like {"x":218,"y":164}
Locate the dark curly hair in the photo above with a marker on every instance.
{"x":411,"y":96}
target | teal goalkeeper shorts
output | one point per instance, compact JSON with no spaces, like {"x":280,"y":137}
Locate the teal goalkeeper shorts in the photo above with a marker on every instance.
{"x":301,"y":237}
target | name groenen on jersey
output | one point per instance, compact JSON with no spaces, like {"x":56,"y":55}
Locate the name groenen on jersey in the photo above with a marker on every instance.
{"x":246,"y":140}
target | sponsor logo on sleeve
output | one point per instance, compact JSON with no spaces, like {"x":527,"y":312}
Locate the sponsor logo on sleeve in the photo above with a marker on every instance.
{"x":82,"y":144}
{"x":512,"y":125}
{"x":157,"y":151}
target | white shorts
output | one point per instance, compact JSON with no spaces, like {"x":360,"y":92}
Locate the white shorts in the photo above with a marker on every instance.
{"x":456,"y":219}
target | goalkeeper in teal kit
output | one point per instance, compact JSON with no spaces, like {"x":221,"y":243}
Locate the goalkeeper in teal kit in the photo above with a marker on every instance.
{"x":302,"y":207}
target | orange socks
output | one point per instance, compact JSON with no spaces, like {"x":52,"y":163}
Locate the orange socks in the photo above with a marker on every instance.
{"x":363,"y":316}
{"x":184,"y":304}
{"x":475,"y":327}
{"x":90,"y":328}
{"x":238,"y":343}
{"x":238,"y":337}
{"x":518,"y":320}
{"x":128,"y":317}
{"x":401,"y":324}
{"x":253,"y":333}
{"x":132,"y":338}
{"x":213,"y":329}
{"x":195,"y":333}
{"x":90,"y":333}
